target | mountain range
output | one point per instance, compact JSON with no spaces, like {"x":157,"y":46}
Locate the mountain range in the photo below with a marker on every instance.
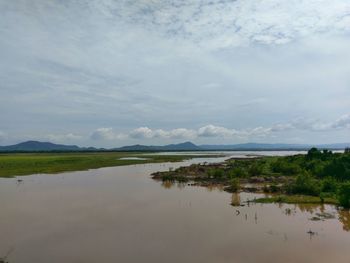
{"x":36,"y":146}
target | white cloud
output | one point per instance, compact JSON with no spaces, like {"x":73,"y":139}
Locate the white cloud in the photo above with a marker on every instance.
{"x":212,"y":131}
{"x":147,"y":133}
{"x":142,"y":133}
{"x":256,"y":132}
{"x":205,"y":132}
{"x":179,"y":133}
{"x":342,"y":122}
{"x":215,"y":131}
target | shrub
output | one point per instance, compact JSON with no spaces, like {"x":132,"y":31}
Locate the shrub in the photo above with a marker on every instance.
{"x":255,"y":169}
{"x":284,"y":167}
{"x":329,"y":185}
{"x":305,"y":184}
{"x":344,"y":195}
{"x":316,"y":167}
{"x":216,"y":173}
{"x":237,"y":172}
{"x":313,"y":153}
{"x":274,"y":188}
{"x":234,"y":185}
{"x":339,"y":168}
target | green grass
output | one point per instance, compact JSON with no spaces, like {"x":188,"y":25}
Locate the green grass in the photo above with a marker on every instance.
{"x":33,"y":163}
{"x":296,"y":199}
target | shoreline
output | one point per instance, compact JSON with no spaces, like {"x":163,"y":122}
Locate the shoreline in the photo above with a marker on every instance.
{"x":237,"y":175}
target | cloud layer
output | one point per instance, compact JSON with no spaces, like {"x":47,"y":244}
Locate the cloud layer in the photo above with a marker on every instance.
{"x":212,"y":131}
{"x":222,"y":24}
{"x":245,"y":66}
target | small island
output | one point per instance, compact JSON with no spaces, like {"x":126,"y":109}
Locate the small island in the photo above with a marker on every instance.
{"x":317,"y":177}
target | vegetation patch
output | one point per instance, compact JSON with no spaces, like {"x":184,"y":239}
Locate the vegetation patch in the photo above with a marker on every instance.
{"x":16,"y":164}
{"x":296,"y":199}
{"x":317,"y":177}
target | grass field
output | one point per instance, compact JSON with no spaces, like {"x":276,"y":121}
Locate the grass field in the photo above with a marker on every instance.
{"x":32,"y":163}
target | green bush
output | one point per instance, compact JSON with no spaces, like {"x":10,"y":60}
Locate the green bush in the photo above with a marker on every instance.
{"x":344,"y":195}
{"x":284,"y":167}
{"x":339,"y":168}
{"x":305,"y":184}
{"x":216,"y":173}
{"x":316,"y":167}
{"x":274,"y":188}
{"x":314,"y":153}
{"x":329,"y":185}
{"x":255,"y":169}
{"x":237,"y":172}
{"x":234,"y":184}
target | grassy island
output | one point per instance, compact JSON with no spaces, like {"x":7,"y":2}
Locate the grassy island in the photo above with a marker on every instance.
{"x":15,"y":164}
{"x":317,"y":177}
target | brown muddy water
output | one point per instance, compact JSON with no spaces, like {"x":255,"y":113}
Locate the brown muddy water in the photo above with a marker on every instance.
{"x":121,"y":215}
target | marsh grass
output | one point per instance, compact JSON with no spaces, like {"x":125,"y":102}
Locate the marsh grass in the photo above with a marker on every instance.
{"x":49,"y":163}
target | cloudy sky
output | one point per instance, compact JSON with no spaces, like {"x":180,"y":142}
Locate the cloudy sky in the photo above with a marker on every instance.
{"x":117,"y":72}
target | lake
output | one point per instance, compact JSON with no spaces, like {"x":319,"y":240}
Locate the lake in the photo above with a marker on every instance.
{"x":120,"y":214}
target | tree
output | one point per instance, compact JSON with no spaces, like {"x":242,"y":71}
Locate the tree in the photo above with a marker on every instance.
{"x":305,"y":184}
{"x":237,"y":172}
{"x":255,"y":169}
{"x":313,"y":153}
{"x":329,"y":185}
{"x":234,"y":185}
{"x":344,"y":195}
{"x":216,"y":173}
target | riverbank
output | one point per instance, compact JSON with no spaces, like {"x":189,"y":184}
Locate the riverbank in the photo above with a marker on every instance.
{"x":19,"y":164}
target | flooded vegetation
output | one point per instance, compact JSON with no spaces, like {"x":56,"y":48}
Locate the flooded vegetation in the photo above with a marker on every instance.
{"x":315,"y":177}
{"x":119,"y":214}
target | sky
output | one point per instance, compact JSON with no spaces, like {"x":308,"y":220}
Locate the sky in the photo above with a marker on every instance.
{"x":110,"y":73}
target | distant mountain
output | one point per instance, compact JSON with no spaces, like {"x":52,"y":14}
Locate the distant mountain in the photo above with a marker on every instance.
{"x":339,"y":146}
{"x":274,"y":146}
{"x":189,"y":146}
{"x":255,"y":146}
{"x":35,"y":146}
{"x":186,"y":146}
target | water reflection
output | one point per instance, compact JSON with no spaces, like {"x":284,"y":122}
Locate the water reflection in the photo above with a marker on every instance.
{"x":214,"y":187}
{"x":168,"y":184}
{"x":289,"y":211}
{"x":310,"y":208}
{"x":319,"y":210}
{"x":181,"y":185}
{"x":235,"y":199}
{"x":344,"y":218}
